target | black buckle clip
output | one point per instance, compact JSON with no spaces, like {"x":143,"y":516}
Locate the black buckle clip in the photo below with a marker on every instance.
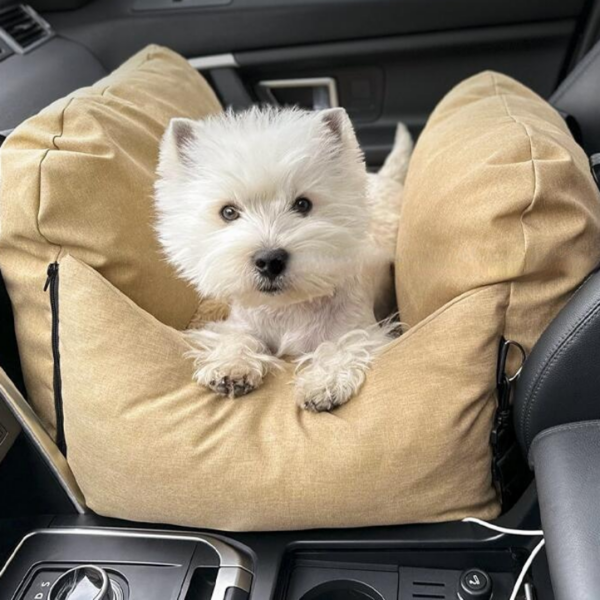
{"x":502,"y":436}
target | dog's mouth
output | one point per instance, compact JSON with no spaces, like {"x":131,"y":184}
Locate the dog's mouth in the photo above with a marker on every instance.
{"x":270,"y":287}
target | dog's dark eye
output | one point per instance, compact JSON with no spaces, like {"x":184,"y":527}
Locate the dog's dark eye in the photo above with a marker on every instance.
{"x":302,"y":205}
{"x":230,"y":213}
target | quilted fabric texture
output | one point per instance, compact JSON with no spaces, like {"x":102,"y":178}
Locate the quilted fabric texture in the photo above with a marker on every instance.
{"x":78,"y":178}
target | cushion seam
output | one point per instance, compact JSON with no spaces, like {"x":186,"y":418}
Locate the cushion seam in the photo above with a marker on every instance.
{"x":534,"y":192}
{"x":533,"y":168}
{"x":424,"y":322}
{"x":56,"y":148}
{"x":147,"y":59}
{"x":41,"y":171}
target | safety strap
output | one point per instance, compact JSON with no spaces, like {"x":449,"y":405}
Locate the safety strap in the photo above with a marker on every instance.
{"x":510,"y":472}
{"x":595,"y":167}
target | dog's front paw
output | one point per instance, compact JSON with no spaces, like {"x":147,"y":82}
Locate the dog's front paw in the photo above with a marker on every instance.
{"x":232,"y":363}
{"x":233,"y":386}
{"x":335,"y":371}
{"x":230,"y":381}
{"x":327,"y":380}
{"x":323,"y":399}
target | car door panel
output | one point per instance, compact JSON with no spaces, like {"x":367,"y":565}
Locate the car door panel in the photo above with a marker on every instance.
{"x":114,"y":31}
{"x":390,"y":60}
{"x":407,"y":75}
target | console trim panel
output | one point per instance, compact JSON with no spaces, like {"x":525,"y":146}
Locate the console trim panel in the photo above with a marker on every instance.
{"x":235,"y":568}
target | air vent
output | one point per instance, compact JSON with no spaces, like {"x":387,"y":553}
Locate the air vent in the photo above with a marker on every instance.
{"x":22,"y":28}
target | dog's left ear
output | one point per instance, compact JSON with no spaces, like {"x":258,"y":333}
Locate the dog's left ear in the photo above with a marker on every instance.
{"x":177,"y":145}
{"x":339,"y":125}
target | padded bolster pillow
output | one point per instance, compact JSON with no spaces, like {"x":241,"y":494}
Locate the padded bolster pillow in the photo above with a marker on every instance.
{"x":78,"y":178}
{"x":499,"y":225}
{"x":497,"y":191}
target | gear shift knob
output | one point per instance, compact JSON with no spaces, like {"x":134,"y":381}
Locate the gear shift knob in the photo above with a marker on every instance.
{"x":86,"y":582}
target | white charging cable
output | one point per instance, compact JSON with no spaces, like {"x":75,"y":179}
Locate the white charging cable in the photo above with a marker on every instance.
{"x":523,"y":532}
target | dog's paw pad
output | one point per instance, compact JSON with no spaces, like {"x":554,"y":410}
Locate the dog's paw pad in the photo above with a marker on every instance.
{"x":232,"y":388}
{"x":320,"y":403}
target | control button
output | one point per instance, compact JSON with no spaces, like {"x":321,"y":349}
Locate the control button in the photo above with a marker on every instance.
{"x":39,"y":588}
{"x":86,"y":582}
{"x":474,"y":584}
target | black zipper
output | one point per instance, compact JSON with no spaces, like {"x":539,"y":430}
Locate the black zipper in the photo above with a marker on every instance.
{"x":52,"y":286}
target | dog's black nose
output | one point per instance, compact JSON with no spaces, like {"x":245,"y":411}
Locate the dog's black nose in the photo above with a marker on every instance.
{"x":271,"y":263}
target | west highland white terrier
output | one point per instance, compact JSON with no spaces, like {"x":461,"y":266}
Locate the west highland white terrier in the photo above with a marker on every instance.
{"x":267,"y":211}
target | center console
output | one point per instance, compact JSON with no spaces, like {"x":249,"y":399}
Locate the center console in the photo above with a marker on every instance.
{"x":87,"y":557}
{"x":400,"y":575}
{"x":125,"y":564}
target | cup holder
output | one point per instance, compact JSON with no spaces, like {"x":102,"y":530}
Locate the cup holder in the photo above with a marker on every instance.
{"x":342,"y":590}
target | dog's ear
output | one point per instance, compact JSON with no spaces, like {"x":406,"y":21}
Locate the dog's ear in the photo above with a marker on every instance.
{"x":177,"y":144}
{"x":183,"y":132}
{"x":339,"y":125}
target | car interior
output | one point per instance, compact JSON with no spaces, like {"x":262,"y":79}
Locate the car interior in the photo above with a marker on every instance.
{"x":384,"y":61}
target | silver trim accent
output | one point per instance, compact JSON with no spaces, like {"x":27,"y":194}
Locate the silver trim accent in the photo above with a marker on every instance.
{"x":313,"y":82}
{"x":36,"y":432}
{"x":229,"y":557}
{"x":14,"y":45}
{"x":216,"y":61}
{"x":9,"y":430}
{"x":231,"y":577}
{"x":529,"y":591}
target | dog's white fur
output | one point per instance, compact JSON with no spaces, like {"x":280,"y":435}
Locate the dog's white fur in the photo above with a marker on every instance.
{"x":261,"y":161}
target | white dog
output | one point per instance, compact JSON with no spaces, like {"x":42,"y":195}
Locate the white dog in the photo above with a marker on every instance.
{"x":267,"y":211}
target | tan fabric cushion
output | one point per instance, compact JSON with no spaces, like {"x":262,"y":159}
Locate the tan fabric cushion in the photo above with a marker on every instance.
{"x":146,"y":443}
{"x":497,"y":191}
{"x":492,"y":242}
{"x":78,"y":178}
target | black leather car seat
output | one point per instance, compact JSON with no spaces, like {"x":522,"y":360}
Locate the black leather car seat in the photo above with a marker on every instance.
{"x":579,"y":97}
{"x":560,"y":381}
{"x":557,"y":397}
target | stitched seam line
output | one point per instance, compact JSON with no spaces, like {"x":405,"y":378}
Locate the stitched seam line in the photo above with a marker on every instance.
{"x":533,"y":194}
{"x":40,"y":176}
{"x":55,"y":138}
{"x":565,"y":342}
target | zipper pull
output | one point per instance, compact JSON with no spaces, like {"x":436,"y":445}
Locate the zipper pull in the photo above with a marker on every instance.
{"x":52,"y":271}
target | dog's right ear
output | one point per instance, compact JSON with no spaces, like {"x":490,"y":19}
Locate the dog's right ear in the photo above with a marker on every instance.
{"x":339,"y":126}
{"x":177,"y":144}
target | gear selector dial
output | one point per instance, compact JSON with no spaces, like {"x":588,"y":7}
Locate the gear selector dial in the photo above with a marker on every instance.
{"x":86,"y":582}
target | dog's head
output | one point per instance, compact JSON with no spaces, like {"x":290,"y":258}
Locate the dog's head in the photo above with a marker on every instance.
{"x":263,"y":207}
